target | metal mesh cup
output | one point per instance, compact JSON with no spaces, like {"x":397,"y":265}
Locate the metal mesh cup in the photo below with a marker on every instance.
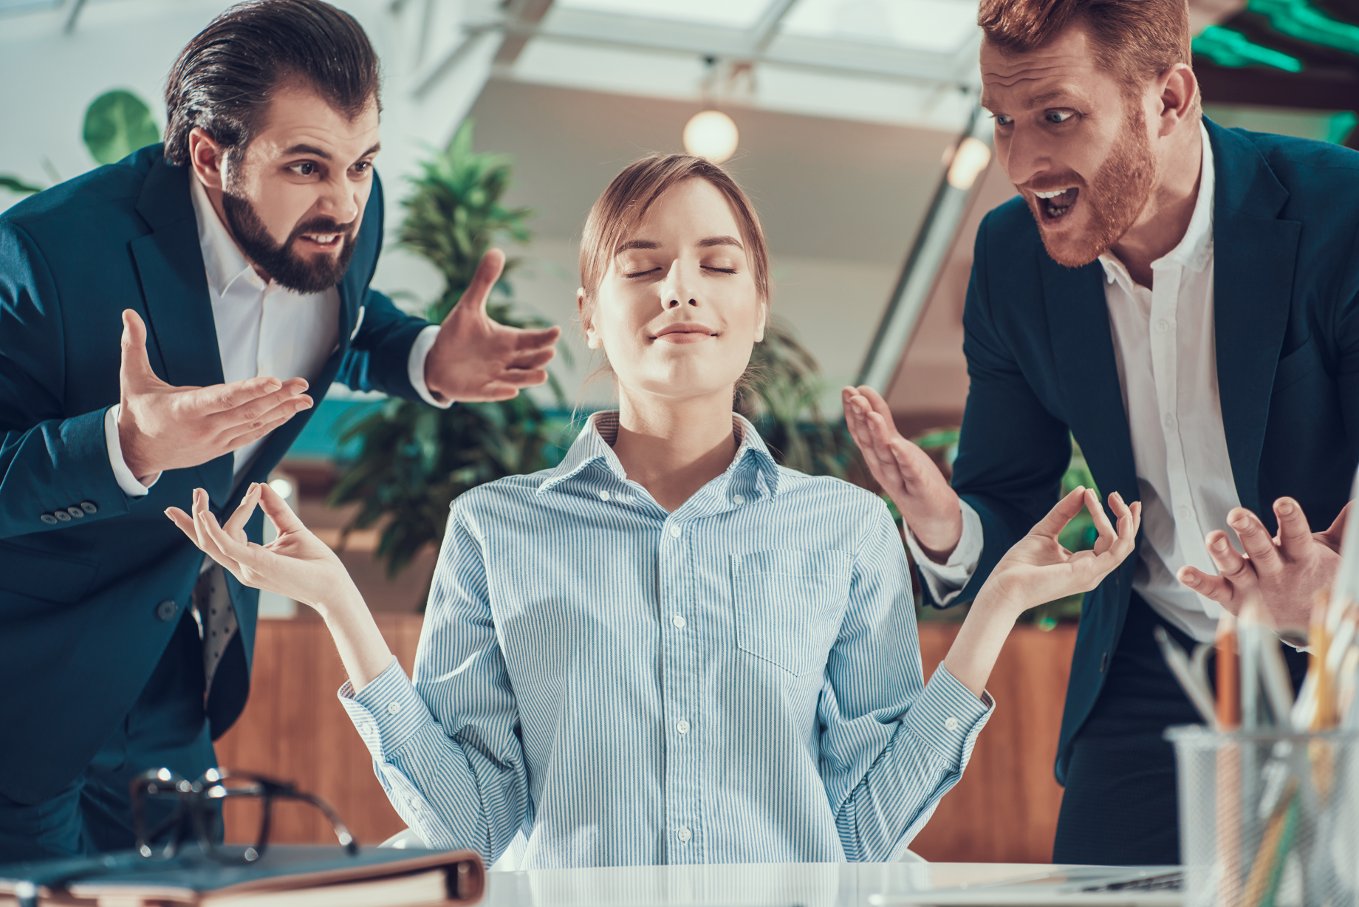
{"x":1268,"y":819}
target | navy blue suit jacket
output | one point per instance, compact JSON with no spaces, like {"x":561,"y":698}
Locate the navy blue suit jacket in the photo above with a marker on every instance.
{"x":1286,"y":324}
{"x":92,"y":582}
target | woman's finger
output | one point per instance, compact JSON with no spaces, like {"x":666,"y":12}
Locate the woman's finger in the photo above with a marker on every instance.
{"x":1103,"y":527}
{"x":204,"y":523}
{"x":235,"y":526}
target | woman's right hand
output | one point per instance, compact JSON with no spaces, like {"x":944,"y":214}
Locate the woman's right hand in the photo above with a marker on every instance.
{"x":297,"y":564}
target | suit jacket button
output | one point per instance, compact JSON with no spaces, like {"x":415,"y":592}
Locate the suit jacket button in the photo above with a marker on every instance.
{"x":76,"y":513}
{"x":167,"y":610}
{"x":48,"y":519}
{"x":89,"y":507}
{"x":62,"y":516}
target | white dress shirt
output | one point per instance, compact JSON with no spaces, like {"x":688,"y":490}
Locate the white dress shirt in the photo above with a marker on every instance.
{"x":262,"y":329}
{"x":1167,"y":367}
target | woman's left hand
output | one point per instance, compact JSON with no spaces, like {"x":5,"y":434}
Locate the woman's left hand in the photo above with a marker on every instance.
{"x":1040,"y":569}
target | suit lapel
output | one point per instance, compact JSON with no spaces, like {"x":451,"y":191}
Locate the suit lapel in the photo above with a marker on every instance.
{"x":1255,"y":254}
{"x":181,"y":332}
{"x":1083,"y":351}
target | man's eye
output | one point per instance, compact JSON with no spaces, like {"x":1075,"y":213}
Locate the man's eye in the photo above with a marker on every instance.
{"x":1057,"y":117}
{"x":303,"y":168}
{"x":1002,"y":120}
{"x":363,"y":166}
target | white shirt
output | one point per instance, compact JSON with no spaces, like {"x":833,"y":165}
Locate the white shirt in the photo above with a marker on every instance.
{"x":1167,"y":367}
{"x":262,"y":329}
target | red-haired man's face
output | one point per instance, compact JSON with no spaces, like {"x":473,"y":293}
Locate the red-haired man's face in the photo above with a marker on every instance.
{"x":1073,"y":144}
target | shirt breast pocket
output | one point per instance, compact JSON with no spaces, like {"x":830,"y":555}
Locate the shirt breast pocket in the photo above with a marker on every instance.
{"x":787,"y":604}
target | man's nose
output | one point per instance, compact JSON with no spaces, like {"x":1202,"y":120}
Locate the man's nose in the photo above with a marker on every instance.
{"x":1022,"y":157}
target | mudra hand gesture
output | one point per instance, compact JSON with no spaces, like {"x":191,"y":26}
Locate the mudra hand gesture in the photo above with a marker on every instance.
{"x":297,"y":564}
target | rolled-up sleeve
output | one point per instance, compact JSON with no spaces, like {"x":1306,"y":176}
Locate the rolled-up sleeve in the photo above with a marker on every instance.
{"x":892,"y":745}
{"x":446,"y":745}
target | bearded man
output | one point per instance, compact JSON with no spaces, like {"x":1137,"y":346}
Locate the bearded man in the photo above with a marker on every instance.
{"x":1183,"y":299}
{"x":234,"y":260}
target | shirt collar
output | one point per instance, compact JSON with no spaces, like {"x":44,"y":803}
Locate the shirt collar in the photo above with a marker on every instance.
{"x":1196,"y":247}
{"x":753,"y":466}
{"x":223,"y":261}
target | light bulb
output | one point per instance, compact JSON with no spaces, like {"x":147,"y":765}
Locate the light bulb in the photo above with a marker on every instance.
{"x":711,"y":135}
{"x":968,"y":162}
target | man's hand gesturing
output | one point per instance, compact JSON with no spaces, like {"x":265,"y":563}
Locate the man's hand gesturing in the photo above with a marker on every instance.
{"x":161,"y":426}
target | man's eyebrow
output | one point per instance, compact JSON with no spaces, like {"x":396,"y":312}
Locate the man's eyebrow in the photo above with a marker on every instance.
{"x":637,"y":244}
{"x":720,"y":241}
{"x":304,"y":148}
{"x":1037,"y":100}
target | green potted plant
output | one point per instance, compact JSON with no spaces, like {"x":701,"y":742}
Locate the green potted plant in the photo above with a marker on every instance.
{"x":413,"y":459}
{"x":116,"y":124}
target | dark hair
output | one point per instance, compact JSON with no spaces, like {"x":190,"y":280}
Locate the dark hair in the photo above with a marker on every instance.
{"x":224,"y":78}
{"x":1137,"y":39}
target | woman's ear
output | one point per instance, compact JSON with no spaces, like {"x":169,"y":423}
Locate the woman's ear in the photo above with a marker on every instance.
{"x":763,"y":320}
{"x":587,"y":320}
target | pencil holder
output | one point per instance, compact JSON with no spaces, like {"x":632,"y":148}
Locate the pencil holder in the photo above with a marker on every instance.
{"x":1268,"y":819}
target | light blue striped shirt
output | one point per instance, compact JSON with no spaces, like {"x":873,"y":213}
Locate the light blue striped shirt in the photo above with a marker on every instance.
{"x":736,"y":681}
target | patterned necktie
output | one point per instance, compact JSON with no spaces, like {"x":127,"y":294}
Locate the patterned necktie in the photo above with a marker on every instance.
{"x":216,"y":619}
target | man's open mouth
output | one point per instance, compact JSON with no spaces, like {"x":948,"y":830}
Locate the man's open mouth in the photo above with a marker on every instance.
{"x":1056,"y":203}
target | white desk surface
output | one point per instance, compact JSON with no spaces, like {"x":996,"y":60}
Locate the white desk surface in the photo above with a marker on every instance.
{"x":743,"y":885}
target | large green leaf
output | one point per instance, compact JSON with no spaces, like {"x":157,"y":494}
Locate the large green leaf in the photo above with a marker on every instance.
{"x":117,"y":123}
{"x":18,"y":186}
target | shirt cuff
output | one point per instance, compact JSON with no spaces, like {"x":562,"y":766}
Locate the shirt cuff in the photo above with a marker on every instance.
{"x":944,"y":581}
{"x":126,"y":480}
{"x":948,"y":717}
{"x":415,"y":366}
{"x":387,"y":712}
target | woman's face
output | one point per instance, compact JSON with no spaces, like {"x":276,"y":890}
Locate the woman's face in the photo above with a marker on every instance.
{"x":677,"y":312}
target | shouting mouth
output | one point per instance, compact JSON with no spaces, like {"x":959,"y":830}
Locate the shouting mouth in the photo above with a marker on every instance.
{"x":1055,"y":204}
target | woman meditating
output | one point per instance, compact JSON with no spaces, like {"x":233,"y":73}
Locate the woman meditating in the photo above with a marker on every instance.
{"x":668,"y":648}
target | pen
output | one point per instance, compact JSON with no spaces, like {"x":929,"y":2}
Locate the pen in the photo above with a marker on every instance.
{"x":1199,"y":694}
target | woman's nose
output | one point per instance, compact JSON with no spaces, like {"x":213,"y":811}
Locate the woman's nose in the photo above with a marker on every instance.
{"x":675,"y":289}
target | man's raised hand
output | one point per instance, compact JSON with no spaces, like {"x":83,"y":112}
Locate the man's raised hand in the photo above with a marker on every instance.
{"x":162,"y":427}
{"x":927,"y":502}
{"x":476,"y":359}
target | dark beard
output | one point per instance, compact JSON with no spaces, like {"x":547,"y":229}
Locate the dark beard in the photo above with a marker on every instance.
{"x":1115,"y":197}
{"x":278,"y":260}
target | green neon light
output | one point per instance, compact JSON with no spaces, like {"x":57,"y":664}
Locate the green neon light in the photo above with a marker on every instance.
{"x":1339,"y":127}
{"x":1300,"y":19}
{"x":1226,"y":47}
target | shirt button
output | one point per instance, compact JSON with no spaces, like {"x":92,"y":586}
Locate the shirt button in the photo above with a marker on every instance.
{"x":674,"y":531}
{"x":682,"y":726}
{"x":684,"y":834}
{"x":1169,"y":422}
{"x":678,"y":621}
{"x":738,"y":499}
{"x":950,"y":723}
{"x":366,"y":727}
{"x":393,"y":708}
{"x":603,"y":495}
{"x":1163,"y":325}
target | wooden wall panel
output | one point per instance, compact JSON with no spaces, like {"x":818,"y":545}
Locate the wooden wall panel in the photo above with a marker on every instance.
{"x":1004,"y":809}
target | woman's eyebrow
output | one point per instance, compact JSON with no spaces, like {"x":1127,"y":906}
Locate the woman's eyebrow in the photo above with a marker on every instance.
{"x":637,"y":244}
{"x":720,"y":241}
